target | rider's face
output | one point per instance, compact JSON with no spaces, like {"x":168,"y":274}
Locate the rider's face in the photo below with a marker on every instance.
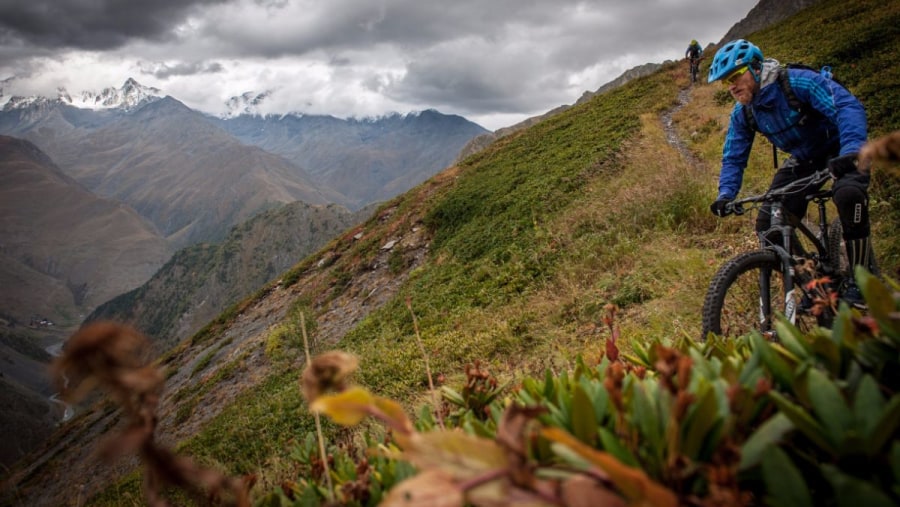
{"x":744,"y":87}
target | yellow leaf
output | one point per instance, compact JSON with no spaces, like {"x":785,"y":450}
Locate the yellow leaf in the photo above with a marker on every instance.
{"x":633,"y":483}
{"x":394,"y":417}
{"x":458,"y":454}
{"x":346,"y":408}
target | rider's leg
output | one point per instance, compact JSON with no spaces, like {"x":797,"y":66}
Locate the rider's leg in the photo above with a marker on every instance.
{"x":852,"y":201}
{"x":795,"y":204}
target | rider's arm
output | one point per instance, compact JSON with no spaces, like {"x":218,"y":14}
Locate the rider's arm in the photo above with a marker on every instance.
{"x":735,"y":153}
{"x":836,"y":103}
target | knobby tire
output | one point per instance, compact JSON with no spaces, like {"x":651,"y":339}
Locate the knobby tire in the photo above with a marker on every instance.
{"x":732,"y":306}
{"x":838,"y":252}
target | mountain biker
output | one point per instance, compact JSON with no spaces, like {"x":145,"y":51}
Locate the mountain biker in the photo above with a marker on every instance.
{"x":694,"y":51}
{"x":693,"y":54}
{"x":830,"y":133}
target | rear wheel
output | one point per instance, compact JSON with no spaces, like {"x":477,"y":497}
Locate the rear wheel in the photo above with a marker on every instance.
{"x":746,"y":294}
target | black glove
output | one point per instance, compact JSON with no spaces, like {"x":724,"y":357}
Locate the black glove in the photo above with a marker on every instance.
{"x":718,"y":207}
{"x":842,"y":165}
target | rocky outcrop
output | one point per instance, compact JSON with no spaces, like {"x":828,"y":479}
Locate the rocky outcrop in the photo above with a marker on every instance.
{"x":766,"y":13}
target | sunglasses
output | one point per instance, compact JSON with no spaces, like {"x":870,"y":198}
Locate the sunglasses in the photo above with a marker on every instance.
{"x":734,"y":76}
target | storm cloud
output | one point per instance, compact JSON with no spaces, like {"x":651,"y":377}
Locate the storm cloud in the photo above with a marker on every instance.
{"x":490,"y":60}
{"x":94,"y":25}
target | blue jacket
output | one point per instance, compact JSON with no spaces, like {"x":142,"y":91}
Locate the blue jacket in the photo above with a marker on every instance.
{"x":841,"y":128}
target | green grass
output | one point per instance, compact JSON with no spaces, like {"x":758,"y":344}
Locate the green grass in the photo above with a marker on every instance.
{"x":257,"y":426}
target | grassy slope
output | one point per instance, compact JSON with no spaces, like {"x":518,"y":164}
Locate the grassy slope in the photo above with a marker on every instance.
{"x":532,"y":237}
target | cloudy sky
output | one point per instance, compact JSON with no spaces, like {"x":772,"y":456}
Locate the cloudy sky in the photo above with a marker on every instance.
{"x":496,"y":62}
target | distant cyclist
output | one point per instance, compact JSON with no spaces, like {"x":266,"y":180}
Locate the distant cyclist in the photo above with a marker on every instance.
{"x":807,"y":115}
{"x":693,"y":54}
{"x":693,"y":51}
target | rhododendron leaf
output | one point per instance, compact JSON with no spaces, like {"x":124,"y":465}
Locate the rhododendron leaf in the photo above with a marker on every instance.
{"x":802,"y":420}
{"x":584,"y":419}
{"x":769,"y":433}
{"x":346,"y":408}
{"x":394,"y":415}
{"x":879,"y":300}
{"x":829,"y":406}
{"x":784,"y":483}
{"x":458,"y":454}
{"x":633,"y":483}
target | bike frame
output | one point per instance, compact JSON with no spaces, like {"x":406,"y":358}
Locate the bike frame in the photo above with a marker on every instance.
{"x":790,"y":243}
{"x":694,"y":68}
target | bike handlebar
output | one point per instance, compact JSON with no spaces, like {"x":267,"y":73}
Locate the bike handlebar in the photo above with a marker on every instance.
{"x":736,"y":207}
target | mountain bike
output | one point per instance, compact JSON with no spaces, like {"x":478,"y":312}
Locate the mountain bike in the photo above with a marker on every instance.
{"x":795,"y":273}
{"x":695,"y":68}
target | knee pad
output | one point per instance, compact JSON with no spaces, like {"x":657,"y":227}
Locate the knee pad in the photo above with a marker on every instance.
{"x":852,"y":203}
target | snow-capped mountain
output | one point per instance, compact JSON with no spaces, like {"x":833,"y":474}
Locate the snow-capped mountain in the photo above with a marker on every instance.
{"x":246,"y":103}
{"x":128,"y":97}
{"x":131,"y":95}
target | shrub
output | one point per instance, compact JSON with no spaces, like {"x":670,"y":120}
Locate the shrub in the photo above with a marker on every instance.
{"x":811,"y":420}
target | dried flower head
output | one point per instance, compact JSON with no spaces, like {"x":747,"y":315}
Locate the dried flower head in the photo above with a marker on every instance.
{"x":327,"y":371}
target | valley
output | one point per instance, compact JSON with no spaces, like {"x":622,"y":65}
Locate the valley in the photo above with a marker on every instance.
{"x":154,"y":214}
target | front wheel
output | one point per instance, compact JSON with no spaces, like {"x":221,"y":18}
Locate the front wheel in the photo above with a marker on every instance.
{"x":746,"y":294}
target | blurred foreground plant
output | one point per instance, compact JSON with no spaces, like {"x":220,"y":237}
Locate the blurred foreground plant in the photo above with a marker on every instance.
{"x":116,"y":358}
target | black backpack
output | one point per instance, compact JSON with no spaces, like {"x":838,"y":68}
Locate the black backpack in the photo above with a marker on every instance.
{"x":805,"y":110}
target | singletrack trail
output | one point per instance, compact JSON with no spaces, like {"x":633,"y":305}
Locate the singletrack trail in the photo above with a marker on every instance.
{"x":684,"y":97}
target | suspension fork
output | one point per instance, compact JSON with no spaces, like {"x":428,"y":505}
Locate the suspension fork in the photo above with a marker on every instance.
{"x":823,"y":228}
{"x":777,"y":223}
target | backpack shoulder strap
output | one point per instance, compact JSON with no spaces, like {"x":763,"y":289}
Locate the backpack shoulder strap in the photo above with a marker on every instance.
{"x":793,"y":102}
{"x":750,"y":118}
{"x":785,"y":83}
{"x":751,"y":122}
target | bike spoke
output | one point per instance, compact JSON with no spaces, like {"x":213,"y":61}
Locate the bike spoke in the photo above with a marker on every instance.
{"x":747,"y":295}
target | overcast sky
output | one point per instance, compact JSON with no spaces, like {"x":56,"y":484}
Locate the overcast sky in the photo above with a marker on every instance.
{"x":496,"y":62}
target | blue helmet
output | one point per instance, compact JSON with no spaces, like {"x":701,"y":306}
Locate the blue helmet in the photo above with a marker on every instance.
{"x":731,"y":57}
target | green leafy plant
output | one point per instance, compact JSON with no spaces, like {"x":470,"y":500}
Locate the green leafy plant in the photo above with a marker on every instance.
{"x":480,"y":390}
{"x":812,"y":420}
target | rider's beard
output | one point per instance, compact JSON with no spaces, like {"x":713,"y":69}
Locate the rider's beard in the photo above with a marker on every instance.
{"x":743,"y":89}
{"x":742,"y":93}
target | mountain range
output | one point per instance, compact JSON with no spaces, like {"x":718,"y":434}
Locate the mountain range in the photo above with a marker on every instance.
{"x":191,"y":177}
{"x":64,"y":249}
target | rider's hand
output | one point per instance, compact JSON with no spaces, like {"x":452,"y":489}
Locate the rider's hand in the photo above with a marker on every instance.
{"x":845,"y":164}
{"x":718,"y":207}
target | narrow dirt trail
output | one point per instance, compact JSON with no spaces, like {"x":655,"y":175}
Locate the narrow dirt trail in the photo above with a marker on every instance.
{"x":684,"y":98}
